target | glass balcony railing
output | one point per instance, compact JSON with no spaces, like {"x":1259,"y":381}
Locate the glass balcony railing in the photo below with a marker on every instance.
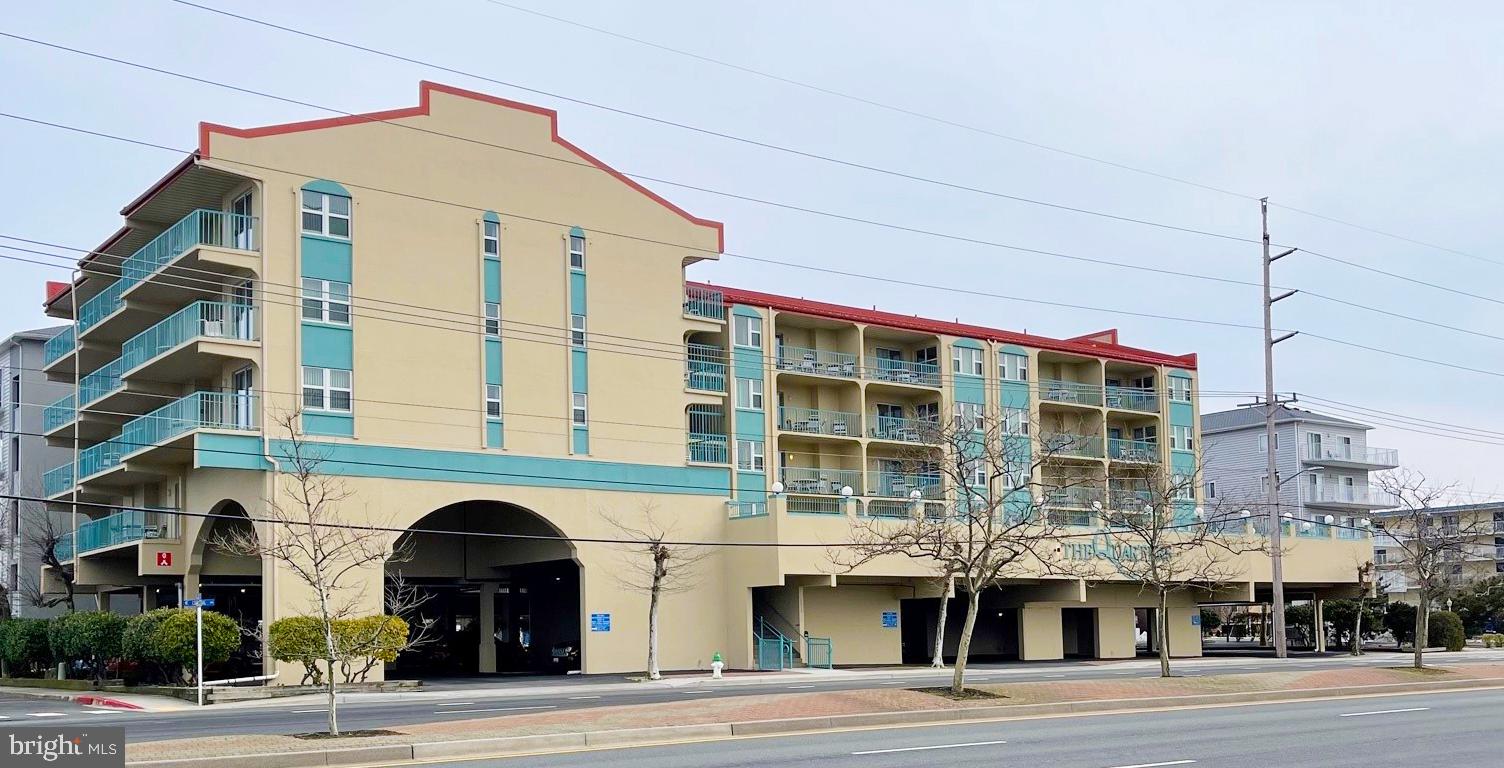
{"x":818,"y":421}
{"x":58,"y":346}
{"x":209,"y":319}
{"x":1060,"y":391}
{"x":1348,"y":495}
{"x":1120,"y":449}
{"x":126,"y":526}
{"x":63,"y":547}
{"x":101,"y":382}
{"x":104,"y":304}
{"x":904,"y":429}
{"x":705,"y":448}
{"x":58,"y":414}
{"x":705,"y":367}
{"x":1133,"y":399}
{"x":737,"y":510}
{"x":1379,"y":457}
{"x":704,"y":302}
{"x":1067,"y":444}
{"x":100,"y":457}
{"x":817,"y":361}
{"x":825,"y":482}
{"x":903,"y":372}
{"x":903,"y":484}
{"x":57,"y":480}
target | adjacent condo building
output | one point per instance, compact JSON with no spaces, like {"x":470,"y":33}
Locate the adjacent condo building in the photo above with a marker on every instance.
{"x":494,"y":342}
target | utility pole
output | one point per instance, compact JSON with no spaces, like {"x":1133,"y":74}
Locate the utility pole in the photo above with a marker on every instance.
{"x":1271,"y":407}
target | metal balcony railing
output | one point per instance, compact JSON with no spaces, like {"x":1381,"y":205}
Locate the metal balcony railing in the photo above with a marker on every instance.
{"x":812,"y":480}
{"x":58,"y":346}
{"x":58,"y":414}
{"x":1120,"y":449}
{"x":126,"y":526}
{"x":220,"y":229}
{"x":101,"y":382}
{"x":1382,"y":457}
{"x":1347,"y":494}
{"x":704,"y":302}
{"x":208,"y":319}
{"x":57,"y":480}
{"x":705,"y":448}
{"x":1068,"y":444}
{"x":1133,"y":399}
{"x":903,"y":429}
{"x":903,"y":372}
{"x":903,"y":484}
{"x":200,"y":410}
{"x":100,"y":457}
{"x":813,"y":505}
{"x":736,"y":510}
{"x":705,"y":367}
{"x":818,"y":421}
{"x":817,"y":361}
{"x":890,"y":508}
{"x":1076,"y":496}
{"x":1061,"y":391}
{"x":104,"y":304}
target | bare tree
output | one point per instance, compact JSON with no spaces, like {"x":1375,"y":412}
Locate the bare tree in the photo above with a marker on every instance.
{"x":1153,"y":533}
{"x":1429,"y":545}
{"x":43,"y":535}
{"x":654,"y":565}
{"x":307,"y":533}
{"x":1365,"y":573}
{"x":989,"y":522}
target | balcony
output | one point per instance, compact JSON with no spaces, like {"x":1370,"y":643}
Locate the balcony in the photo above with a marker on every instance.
{"x":1133,"y":399}
{"x":58,"y":414}
{"x":58,"y":347}
{"x":1069,"y":392}
{"x":816,"y":362}
{"x":1068,"y":445}
{"x":705,"y":303}
{"x":813,"y":505}
{"x":705,"y":369}
{"x":1347,"y":497}
{"x":57,"y":480}
{"x":901,"y":485}
{"x":818,"y":421}
{"x":822,"y":482}
{"x":101,"y":382}
{"x":1349,"y":457}
{"x":903,"y":372}
{"x":904,"y":430}
{"x":166,"y":351}
{"x":63,"y":547}
{"x":1132,"y":451}
{"x":125,"y":526}
{"x":706,"y":448}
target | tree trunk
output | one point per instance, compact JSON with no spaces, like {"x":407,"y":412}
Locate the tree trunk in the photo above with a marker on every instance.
{"x":1163,"y":628}
{"x":1358,"y":630}
{"x":1422,"y":616}
{"x":939,"y":661}
{"x":332,"y":659}
{"x":958,"y":679}
{"x":653,"y":673}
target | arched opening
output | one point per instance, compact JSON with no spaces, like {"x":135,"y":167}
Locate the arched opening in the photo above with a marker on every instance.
{"x":233,"y":582}
{"x":494,"y":605}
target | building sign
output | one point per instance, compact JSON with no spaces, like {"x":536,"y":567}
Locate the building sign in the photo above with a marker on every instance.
{"x":1102,"y":547}
{"x":164,"y":559}
{"x":600,"y":622}
{"x":890,"y":619}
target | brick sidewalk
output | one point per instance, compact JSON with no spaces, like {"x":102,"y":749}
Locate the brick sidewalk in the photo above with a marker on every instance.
{"x":797,"y":705}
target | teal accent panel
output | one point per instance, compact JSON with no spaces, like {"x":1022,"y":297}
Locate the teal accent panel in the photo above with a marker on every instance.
{"x":750,"y":424}
{"x":357,"y":460}
{"x":1013,"y":349}
{"x":1182,"y":414}
{"x":326,"y":258}
{"x":577,"y":293}
{"x":972,"y":343}
{"x":491,"y":272}
{"x":1182,"y":462}
{"x":970,"y":389}
{"x":229,"y":452}
{"x":576,"y":231}
{"x":745,"y":311}
{"x":581,"y":440}
{"x":328,"y":347}
{"x":1013,"y":394}
{"x":1178,"y":372}
{"x":339,"y":425}
{"x":747,"y":363}
{"x":327,"y":187}
{"x":579,"y":372}
{"x":493,"y":361}
{"x":1185,"y":512}
{"x":493,"y":434}
{"x":751,"y":487}
{"x":491,"y":216}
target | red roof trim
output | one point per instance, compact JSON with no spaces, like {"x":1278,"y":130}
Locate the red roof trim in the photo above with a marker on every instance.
{"x":907,"y":322}
{"x":425,"y":91}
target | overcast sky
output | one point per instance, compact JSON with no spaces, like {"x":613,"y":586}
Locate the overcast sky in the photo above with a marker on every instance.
{"x":1384,"y":116}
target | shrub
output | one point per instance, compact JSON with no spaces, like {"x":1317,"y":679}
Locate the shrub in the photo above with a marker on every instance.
{"x":1399,"y":619}
{"x":23,"y":645}
{"x":90,"y":637}
{"x":1444,"y":628}
{"x":166,"y":638}
{"x":138,"y":644}
{"x":298,"y":639}
{"x":1492,"y":640}
{"x":364,"y":642}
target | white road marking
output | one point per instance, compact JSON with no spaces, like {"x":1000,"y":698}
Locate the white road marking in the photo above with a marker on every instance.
{"x":1156,"y":765}
{"x":494,"y":709}
{"x":457,"y":704}
{"x":4,"y":717}
{"x":894,"y":682}
{"x":980,"y":679}
{"x":921,"y":749}
{"x":791,"y":687}
{"x":1385,"y":712}
{"x":578,"y":698}
{"x":45,"y":714}
{"x":696,"y":691}
{"x":1054,"y":675}
{"x":100,"y":711}
{"x":307,"y":711}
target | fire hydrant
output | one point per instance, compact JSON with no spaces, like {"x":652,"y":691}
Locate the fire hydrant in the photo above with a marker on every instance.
{"x":716,"y":665}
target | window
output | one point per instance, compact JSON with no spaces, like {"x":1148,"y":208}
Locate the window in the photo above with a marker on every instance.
{"x":1180,"y":438}
{"x":976,"y":472}
{"x":1184,"y":488}
{"x":493,"y":318}
{"x":577,"y":330}
{"x":1016,"y":479}
{"x":748,"y":331}
{"x":1380,"y":556}
{"x":1211,"y":489}
{"x":326,"y":214}
{"x":577,"y":252}
{"x":326,"y":389}
{"x":966,"y":361}
{"x":578,"y":411}
{"x":1015,"y":421}
{"x":491,"y":240}
{"x":968,"y":416}
{"x":749,"y":455}
{"x":326,"y":301}
{"x":493,"y":401}
{"x":1264,"y":443}
{"x":749,"y":393}
{"x":1180,"y":389}
{"x":1013,"y":366}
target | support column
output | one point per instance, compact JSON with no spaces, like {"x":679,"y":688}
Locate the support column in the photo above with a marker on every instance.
{"x":1185,"y":631}
{"x":1115,"y":638}
{"x":1318,"y":611}
{"x":1039,"y":633}
{"x":487,"y":622}
{"x":190,"y":587}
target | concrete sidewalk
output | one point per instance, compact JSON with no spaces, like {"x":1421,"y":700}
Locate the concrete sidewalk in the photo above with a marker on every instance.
{"x":131,"y":701}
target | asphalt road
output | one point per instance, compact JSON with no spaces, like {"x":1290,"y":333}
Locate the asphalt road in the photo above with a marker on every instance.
{"x":482,"y":699}
{"x":1415,"y":731}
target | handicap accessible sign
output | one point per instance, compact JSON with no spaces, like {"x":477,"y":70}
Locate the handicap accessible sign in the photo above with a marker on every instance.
{"x":600,"y":622}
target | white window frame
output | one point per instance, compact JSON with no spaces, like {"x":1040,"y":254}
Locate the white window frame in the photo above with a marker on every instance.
{"x":579,"y":410}
{"x":749,"y":394}
{"x":1180,"y":389}
{"x":325,"y":211}
{"x":490,"y":239}
{"x":1211,"y":489}
{"x":493,"y":318}
{"x":321,"y":293}
{"x":746,"y":331}
{"x":577,"y":331}
{"x":966,"y":357}
{"x":493,"y":401}
{"x":327,"y":388}
{"x":749,"y":455}
{"x":1016,"y":421}
{"x":976,"y":472}
{"x":577,"y":254}
{"x":967,"y":416}
{"x":1013,"y":366}
{"x":1181,"y":439}
{"x":1184,"y":489}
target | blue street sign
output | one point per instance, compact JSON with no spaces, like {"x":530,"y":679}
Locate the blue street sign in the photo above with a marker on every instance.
{"x":1195,"y":619}
{"x":202,"y":602}
{"x":890,"y":619}
{"x":600,"y":622}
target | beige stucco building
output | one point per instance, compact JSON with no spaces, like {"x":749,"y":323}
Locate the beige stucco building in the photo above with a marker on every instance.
{"x":491,"y":336}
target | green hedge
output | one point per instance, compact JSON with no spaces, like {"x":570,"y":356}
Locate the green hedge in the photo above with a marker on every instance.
{"x":1444,"y":628}
{"x":359,"y":644}
{"x":91,"y":637}
{"x":23,"y":645}
{"x":166,"y":638}
{"x":1492,"y":640}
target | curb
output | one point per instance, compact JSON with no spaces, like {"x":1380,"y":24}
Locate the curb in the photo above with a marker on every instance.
{"x":503,"y":746}
{"x":90,"y":700}
{"x":86,"y":699}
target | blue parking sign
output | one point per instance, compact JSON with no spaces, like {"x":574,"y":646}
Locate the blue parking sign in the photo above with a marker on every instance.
{"x":890,"y":619}
{"x":600,"y":622}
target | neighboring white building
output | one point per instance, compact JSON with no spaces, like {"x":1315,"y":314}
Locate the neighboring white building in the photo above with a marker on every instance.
{"x":1482,"y":557}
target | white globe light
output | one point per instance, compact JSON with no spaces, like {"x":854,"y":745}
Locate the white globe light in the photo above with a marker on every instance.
{"x":1305,"y":525}
{"x":1096,"y":505}
{"x":915,"y":494}
{"x":1243,"y":513}
{"x":1200,"y":513}
{"x":846,"y":490}
{"x":1365,"y":522}
{"x":1287,"y":515}
{"x":1328,"y":519}
{"x":776,"y":488}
